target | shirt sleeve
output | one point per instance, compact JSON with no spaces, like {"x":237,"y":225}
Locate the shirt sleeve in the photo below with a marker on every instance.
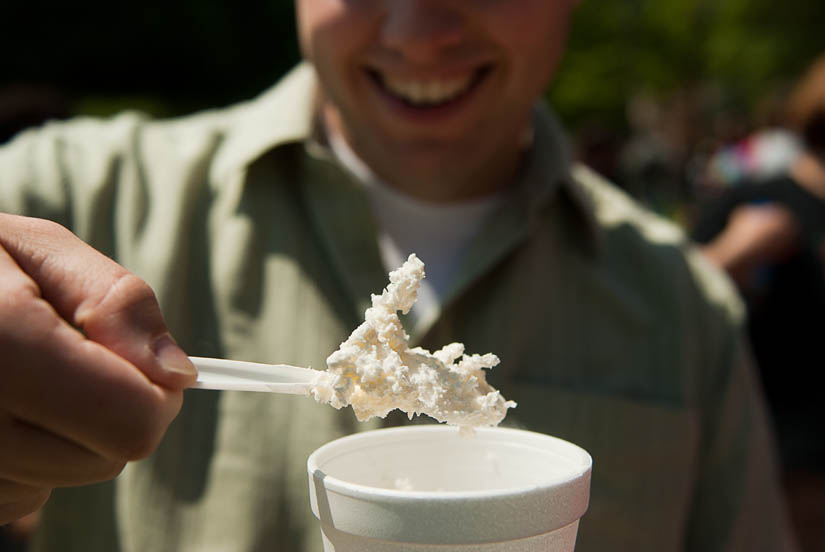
{"x":738,"y":503}
{"x":68,"y":171}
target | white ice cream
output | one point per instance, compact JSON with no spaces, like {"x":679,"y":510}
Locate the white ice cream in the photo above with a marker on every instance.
{"x":376,"y":371}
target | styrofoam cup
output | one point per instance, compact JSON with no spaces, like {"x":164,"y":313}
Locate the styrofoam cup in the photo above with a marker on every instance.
{"x":422,"y":488}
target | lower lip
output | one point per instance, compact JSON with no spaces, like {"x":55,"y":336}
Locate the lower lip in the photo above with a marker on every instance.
{"x":444,"y":110}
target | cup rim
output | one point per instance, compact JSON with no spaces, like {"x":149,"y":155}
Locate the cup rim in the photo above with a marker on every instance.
{"x":357,"y":489}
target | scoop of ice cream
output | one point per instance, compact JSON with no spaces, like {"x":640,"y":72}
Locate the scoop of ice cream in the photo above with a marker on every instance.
{"x":376,"y":371}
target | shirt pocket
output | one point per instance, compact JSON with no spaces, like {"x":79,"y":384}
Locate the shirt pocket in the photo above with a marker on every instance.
{"x":645,"y":456}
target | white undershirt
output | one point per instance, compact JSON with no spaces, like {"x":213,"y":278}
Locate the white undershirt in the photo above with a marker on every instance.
{"x":438,"y":233}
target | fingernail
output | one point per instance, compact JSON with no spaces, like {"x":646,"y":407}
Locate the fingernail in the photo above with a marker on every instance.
{"x":172,"y":358}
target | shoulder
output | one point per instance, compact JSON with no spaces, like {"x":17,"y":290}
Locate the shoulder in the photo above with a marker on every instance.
{"x":231,"y":134}
{"x":66,"y":141}
{"x":84,"y":146}
{"x":643,"y":249}
{"x":614,"y":210}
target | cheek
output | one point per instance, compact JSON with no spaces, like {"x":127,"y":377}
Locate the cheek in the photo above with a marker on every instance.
{"x":320,"y":24}
{"x":535,"y":48}
{"x":330,"y":28}
{"x":306,"y":15}
{"x":531,"y":31}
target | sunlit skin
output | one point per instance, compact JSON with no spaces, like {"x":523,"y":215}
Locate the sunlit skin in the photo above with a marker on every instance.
{"x":434,"y":95}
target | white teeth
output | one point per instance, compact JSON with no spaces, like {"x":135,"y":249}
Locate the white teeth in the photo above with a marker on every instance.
{"x":432,"y":92}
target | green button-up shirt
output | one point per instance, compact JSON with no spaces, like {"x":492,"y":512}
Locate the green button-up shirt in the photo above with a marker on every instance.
{"x":612,"y":332}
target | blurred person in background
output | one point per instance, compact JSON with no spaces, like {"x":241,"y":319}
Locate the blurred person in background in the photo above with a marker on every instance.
{"x":761,"y":156}
{"x":260,"y":231}
{"x":768,"y":232}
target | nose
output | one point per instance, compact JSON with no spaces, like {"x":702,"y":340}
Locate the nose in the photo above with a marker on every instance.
{"x":421,"y":29}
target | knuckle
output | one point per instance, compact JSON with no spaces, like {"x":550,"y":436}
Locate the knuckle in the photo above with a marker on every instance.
{"x":132,"y":289}
{"x":36,"y":236}
{"x":110,"y":470}
{"x":40,"y":499}
{"x":25,"y":318}
{"x":41,"y":226}
{"x":19,"y":294}
{"x":143,"y":435}
{"x":90,"y":471}
{"x":18,"y":289}
{"x":22,"y":500}
{"x":128,"y":294}
{"x":139,"y":446}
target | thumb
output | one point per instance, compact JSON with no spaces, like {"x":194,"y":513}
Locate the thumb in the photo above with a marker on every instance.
{"x":110,"y":305}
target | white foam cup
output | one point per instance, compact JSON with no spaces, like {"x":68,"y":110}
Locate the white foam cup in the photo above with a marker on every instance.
{"x":423,"y":488}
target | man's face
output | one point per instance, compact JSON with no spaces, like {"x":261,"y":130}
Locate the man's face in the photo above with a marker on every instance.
{"x":434,"y":95}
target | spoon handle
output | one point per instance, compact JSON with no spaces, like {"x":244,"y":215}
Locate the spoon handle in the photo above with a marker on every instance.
{"x":236,"y":375}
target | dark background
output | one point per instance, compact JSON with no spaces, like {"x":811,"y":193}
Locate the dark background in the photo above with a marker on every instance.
{"x":178,"y":56}
{"x":669,"y":82}
{"x":164,"y":57}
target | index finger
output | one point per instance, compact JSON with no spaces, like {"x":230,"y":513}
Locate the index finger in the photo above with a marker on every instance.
{"x":106,"y":302}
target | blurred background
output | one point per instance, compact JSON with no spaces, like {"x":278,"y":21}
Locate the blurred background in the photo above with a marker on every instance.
{"x":677,"y":101}
{"x":647,"y":86}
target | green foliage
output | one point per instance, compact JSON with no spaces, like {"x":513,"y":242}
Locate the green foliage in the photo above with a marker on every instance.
{"x":744,"y":47}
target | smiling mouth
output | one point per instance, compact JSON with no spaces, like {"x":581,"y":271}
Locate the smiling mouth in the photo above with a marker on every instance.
{"x":428,"y":93}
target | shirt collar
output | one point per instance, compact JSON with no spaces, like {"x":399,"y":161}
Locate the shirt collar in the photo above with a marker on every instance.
{"x":283,"y":114}
{"x":550,"y":175}
{"x":286,"y":114}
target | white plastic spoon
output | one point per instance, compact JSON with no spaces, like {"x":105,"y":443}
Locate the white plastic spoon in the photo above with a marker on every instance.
{"x":236,"y":375}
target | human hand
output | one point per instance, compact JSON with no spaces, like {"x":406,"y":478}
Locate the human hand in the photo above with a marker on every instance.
{"x":89,"y":376}
{"x":754,"y":235}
